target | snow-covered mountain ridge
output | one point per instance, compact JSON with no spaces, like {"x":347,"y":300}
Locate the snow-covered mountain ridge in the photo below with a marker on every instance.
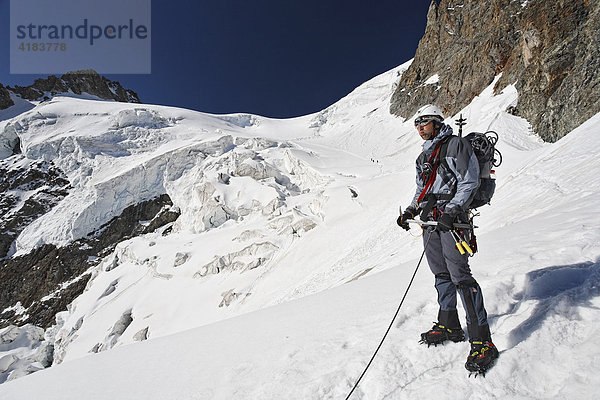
{"x":289,"y":226}
{"x":215,"y":168}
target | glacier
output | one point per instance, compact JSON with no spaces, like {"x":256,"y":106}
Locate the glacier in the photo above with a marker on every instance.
{"x":285,"y":266}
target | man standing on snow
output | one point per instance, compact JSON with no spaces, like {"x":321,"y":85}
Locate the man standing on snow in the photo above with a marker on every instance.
{"x":447,"y":178}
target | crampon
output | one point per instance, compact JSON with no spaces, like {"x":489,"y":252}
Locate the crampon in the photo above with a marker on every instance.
{"x":482,"y":357}
{"x":439,"y":334}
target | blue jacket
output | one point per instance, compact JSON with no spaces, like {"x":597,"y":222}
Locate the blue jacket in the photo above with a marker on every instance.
{"x":457,"y":178}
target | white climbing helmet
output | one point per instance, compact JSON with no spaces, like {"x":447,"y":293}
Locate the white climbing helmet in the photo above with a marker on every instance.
{"x":428,"y":113}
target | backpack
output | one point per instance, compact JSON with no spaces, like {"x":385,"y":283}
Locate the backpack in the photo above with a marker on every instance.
{"x":483,"y":145}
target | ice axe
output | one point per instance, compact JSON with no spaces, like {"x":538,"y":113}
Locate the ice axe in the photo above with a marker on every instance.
{"x":434,"y":223}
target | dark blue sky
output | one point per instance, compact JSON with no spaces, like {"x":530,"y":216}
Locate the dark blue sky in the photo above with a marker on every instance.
{"x":278,"y":58}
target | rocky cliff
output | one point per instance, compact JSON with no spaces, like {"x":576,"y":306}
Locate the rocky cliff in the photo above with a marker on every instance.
{"x":5,"y":100}
{"x":36,"y":286}
{"x":549,"y":50}
{"x":77,"y":82}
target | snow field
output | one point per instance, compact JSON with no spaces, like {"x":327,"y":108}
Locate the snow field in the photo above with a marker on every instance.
{"x":247,"y":300}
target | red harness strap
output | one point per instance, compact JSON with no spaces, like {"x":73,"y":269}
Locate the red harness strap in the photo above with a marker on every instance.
{"x":434,"y":162}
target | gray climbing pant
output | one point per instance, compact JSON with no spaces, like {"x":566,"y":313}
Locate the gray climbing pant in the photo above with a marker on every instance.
{"x":452,"y":275}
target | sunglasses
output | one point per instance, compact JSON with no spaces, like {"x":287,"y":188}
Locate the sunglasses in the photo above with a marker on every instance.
{"x":422,"y":121}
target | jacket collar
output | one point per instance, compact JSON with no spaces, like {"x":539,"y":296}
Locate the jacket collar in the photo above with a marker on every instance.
{"x":444,"y":132}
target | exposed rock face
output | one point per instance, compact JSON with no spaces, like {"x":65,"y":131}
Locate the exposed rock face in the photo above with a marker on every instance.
{"x":5,"y":100}
{"x":78,"y":82}
{"x":29,"y":190}
{"x":46,"y":280}
{"x":557,"y":65}
{"x":551,"y":50}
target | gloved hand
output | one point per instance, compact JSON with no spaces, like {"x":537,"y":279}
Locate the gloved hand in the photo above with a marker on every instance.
{"x":445,"y":222}
{"x":409,"y":213}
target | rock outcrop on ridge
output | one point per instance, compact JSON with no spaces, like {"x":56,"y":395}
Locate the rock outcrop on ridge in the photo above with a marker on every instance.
{"x":5,"y":100}
{"x":549,"y":49}
{"x":76,"y":82}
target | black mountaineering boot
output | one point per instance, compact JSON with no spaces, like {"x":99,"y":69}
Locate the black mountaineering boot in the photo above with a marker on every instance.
{"x":440,"y":333}
{"x":482,"y":357}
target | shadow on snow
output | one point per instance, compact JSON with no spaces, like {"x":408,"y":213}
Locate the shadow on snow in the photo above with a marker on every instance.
{"x":558,"y":290}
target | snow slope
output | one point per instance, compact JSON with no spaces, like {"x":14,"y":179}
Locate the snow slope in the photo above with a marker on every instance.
{"x":286,"y":265}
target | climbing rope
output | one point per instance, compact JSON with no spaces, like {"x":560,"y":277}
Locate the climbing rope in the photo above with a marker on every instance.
{"x":393,"y":319}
